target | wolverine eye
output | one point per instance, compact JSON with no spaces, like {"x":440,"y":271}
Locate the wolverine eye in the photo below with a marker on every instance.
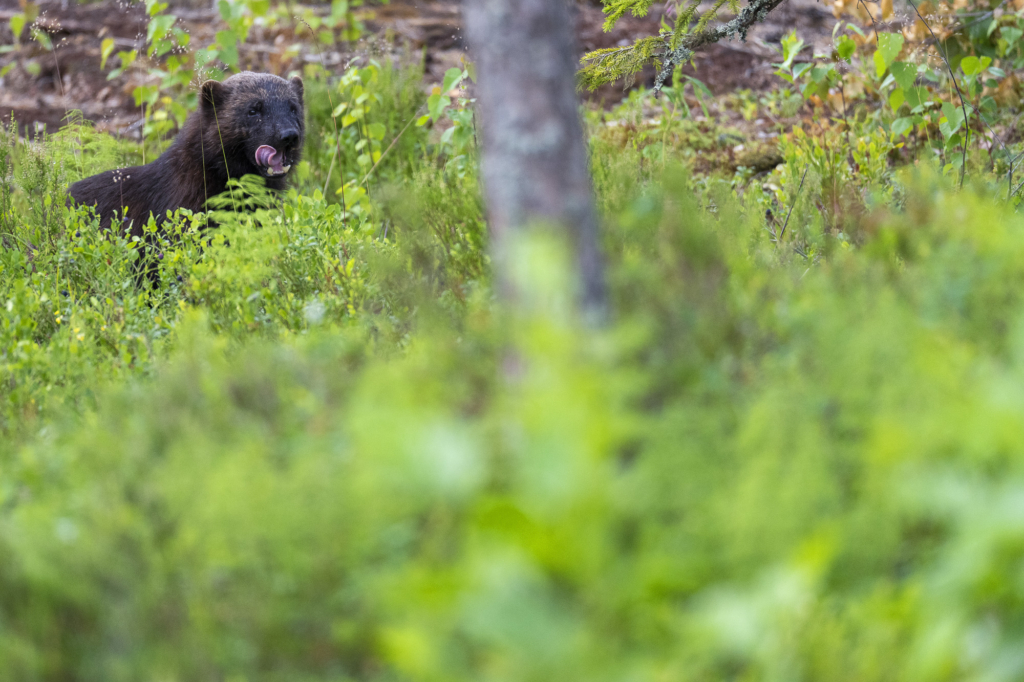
{"x":255,"y":109}
{"x":293,"y":108}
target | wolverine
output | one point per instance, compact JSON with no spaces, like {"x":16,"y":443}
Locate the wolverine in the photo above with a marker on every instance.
{"x":252,"y":123}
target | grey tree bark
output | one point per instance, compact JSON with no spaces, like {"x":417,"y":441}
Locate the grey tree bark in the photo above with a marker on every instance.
{"x":535,"y":161}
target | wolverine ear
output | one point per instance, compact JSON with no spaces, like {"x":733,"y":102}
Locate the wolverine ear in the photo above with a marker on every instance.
{"x":297,"y":85}
{"x":212,"y":94}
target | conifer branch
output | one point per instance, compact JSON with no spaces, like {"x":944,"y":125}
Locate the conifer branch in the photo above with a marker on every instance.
{"x":611,"y":64}
{"x":667,"y":50}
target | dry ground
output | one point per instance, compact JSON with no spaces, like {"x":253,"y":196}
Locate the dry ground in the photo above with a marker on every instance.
{"x":42,"y":86}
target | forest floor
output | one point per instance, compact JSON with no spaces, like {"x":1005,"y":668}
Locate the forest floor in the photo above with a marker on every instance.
{"x":43,"y":85}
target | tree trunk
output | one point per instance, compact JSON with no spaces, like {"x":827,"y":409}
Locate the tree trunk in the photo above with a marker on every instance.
{"x":535,"y":161}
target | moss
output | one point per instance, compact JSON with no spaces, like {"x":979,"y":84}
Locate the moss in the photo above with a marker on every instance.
{"x":757,"y":156}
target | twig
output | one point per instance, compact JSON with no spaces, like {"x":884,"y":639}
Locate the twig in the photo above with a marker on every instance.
{"x":842,"y":93}
{"x":1016,"y":160}
{"x":393,"y":142}
{"x":753,"y":13}
{"x":793,"y":205}
{"x":1015,"y":190}
{"x":963,"y":105}
{"x":874,"y":26}
{"x":995,"y":137}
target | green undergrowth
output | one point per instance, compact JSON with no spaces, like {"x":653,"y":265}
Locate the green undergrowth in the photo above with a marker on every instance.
{"x":765,"y":467}
{"x":84,"y":308}
{"x":308,"y":444}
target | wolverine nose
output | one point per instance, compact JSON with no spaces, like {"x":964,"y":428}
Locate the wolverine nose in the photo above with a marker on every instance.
{"x":290,"y":137}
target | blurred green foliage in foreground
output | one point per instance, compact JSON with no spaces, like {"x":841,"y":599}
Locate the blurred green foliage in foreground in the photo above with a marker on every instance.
{"x":325,"y":453}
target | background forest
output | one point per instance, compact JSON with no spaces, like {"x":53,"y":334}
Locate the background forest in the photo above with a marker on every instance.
{"x":321,"y":447}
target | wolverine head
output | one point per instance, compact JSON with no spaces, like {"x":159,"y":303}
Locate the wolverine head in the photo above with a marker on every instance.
{"x":259,"y":122}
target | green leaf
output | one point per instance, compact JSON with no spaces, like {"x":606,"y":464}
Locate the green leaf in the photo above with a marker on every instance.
{"x":159,"y":26}
{"x":845,"y":47}
{"x":17,"y":23}
{"x":352,"y":193}
{"x":228,"y":55}
{"x":153,"y":7}
{"x":820,"y":74}
{"x":43,"y":38}
{"x":889,"y":46}
{"x":339,"y":8}
{"x":902,"y":126}
{"x":897,"y":98}
{"x":376,"y":131}
{"x":228,"y":52}
{"x":436,"y":105}
{"x":226,"y":38}
{"x":970,"y":65}
{"x":917,"y":96}
{"x":1010,"y":39}
{"x":106,"y":49}
{"x":879,"y":62}
{"x":145,"y":94}
{"x":791,"y":47}
{"x":700,"y":90}
{"x":160,"y":47}
{"x":904,"y":73}
{"x":203,"y":57}
{"x":800,"y":69}
{"x":954,"y":115}
{"x":452,"y":77}
{"x":950,"y":123}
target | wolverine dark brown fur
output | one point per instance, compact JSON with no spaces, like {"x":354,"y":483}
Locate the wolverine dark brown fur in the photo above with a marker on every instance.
{"x":250,"y":123}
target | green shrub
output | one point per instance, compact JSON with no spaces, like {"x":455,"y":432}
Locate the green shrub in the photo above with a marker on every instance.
{"x":765,"y":468}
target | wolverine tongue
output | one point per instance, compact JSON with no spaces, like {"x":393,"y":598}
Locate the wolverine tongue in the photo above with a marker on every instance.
{"x":271,"y":160}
